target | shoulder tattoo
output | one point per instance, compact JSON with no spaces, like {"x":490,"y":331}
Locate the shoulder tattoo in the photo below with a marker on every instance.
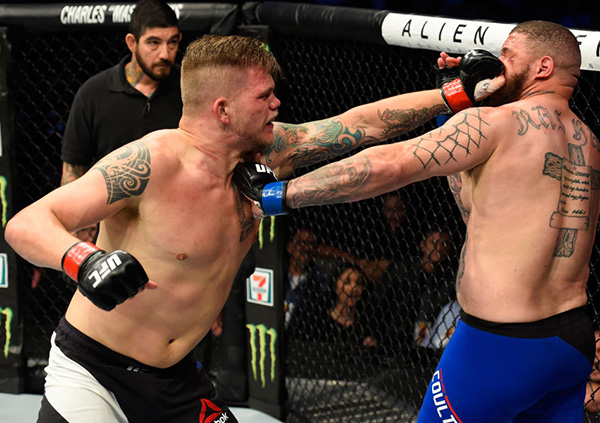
{"x":126,"y":172}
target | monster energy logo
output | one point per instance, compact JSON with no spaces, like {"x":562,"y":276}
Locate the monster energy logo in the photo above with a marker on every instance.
{"x":259,"y":354}
{"x":9,"y":315}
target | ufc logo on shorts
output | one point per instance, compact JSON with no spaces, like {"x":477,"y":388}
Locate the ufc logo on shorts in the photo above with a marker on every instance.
{"x":261,"y":168}
{"x":111,"y":263}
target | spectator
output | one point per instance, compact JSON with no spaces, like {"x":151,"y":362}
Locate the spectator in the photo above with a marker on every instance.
{"x":142,"y":90}
{"x":437,"y":288}
{"x":413,"y":288}
{"x":335,"y":317}
{"x":301,"y":250}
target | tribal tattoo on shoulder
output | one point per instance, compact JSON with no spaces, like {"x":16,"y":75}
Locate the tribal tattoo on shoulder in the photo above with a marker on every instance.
{"x":126,"y":172}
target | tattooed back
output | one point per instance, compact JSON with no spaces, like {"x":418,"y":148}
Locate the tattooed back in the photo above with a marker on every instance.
{"x":531,"y":209}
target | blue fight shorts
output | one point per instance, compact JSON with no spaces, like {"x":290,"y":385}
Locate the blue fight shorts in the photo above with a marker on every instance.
{"x":513,"y":372}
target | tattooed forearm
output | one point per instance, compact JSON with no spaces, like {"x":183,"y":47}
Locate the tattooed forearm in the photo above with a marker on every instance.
{"x":329,"y":138}
{"x":400,"y":121}
{"x":334,"y":183}
{"x":126,"y":172}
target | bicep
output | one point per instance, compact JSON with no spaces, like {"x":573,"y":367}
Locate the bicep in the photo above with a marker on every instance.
{"x":464,"y":142}
{"x":80,"y":204}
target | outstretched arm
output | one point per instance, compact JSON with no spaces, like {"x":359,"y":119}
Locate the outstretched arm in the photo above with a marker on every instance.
{"x":313,"y":142}
{"x":464,"y":142}
{"x":461,"y":144}
{"x":310,"y":143}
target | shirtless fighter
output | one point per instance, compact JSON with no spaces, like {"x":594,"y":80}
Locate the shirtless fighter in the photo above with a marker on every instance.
{"x":172,"y":222}
{"x":526,"y":177}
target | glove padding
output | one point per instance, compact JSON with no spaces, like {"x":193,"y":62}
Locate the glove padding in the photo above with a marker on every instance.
{"x":463,"y":85}
{"x":259,"y":184}
{"x":106,"y":279}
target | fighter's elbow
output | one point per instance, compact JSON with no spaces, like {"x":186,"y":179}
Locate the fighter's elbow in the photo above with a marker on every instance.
{"x":12,"y":231}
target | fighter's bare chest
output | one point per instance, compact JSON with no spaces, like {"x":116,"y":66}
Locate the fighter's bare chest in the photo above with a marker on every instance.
{"x":200,"y":222}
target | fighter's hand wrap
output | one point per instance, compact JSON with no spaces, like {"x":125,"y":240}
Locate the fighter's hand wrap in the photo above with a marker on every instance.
{"x":259,"y":184}
{"x":106,"y":279}
{"x":463,"y":85}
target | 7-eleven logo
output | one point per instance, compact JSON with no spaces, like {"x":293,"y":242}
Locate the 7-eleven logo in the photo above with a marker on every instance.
{"x":260,"y":287}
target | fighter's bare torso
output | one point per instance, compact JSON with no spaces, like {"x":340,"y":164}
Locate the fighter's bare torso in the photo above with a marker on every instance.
{"x":540,"y":184}
{"x":190,"y":230}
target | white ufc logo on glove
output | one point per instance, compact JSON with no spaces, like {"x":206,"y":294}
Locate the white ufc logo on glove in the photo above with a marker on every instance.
{"x":261,"y":168}
{"x":111,"y":263}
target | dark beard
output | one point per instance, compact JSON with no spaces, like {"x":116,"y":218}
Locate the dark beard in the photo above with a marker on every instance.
{"x":510,"y":92}
{"x":152,"y":75}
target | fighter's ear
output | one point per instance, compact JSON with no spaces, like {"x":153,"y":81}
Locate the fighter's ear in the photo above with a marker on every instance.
{"x":545,"y":67}
{"x":220,"y":110}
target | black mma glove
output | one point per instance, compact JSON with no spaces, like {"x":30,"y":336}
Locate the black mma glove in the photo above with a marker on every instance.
{"x":106,"y":279}
{"x":260,"y":185}
{"x":461,"y":86}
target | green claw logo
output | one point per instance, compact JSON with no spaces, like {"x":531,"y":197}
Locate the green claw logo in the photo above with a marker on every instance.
{"x":3,"y":199}
{"x":259,"y":353}
{"x":7,"y":324}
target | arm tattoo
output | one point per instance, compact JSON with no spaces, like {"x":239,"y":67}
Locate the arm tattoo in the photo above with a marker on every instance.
{"x":331,"y":139}
{"x":400,"y":121}
{"x":334,"y":183}
{"x":462,"y":137}
{"x":126,"y":172}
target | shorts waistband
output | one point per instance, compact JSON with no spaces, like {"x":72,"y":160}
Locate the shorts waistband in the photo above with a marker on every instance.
{"x":572,"y":326}
{"x":538,"y":329}
{"x":80,"y":347}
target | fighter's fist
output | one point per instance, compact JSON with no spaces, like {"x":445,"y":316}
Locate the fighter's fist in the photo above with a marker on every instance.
{"x":106,"y":279}
{"x":471,"y":81}
{"x":259,"y":184}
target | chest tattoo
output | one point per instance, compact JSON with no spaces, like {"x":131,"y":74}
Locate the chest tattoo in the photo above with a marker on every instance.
{"x":246,"y":222}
